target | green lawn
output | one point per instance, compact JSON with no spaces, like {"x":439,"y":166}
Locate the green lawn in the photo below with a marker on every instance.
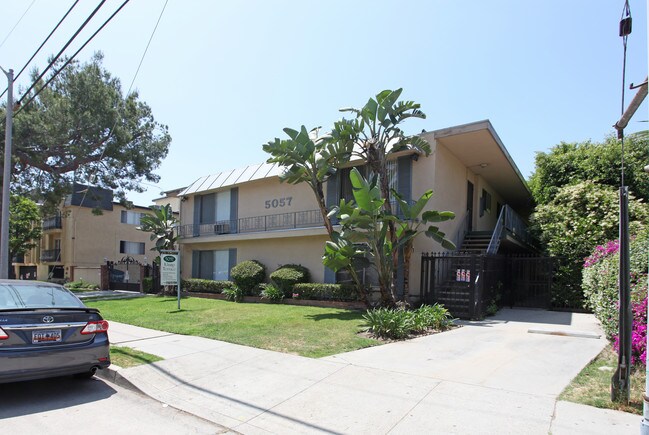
{"x":593,"y":385}
{"x":307,"y":331}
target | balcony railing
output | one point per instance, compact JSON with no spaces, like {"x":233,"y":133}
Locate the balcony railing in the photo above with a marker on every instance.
{"x":273,"y":222}
{"x":51,"y":255}
{"x":52,"y":222}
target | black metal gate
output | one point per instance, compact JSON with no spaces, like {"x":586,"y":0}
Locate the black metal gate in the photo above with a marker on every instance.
{"x":466,"y":284}
{"x":530,"y":281}
{"x":125,"y":274}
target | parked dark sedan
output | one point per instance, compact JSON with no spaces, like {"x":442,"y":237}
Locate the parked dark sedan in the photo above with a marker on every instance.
{"x":46,"y":331}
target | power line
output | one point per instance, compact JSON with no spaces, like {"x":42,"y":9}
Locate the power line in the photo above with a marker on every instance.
{"x":146,"y":49}
{"x":18,"y":22}
{"x":43,"y":43}
{"x":60,"y":53}
{"x":56,"y":73}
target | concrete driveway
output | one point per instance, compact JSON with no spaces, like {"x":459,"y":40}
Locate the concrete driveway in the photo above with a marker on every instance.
{"x":493,"y":376}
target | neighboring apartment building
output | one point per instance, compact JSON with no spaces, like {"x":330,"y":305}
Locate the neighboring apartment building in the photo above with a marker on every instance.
{"x":247,"y":214}
{"x":88,"y":230}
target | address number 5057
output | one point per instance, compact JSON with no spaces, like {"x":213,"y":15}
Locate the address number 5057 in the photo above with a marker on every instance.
{"x":278,"y":202}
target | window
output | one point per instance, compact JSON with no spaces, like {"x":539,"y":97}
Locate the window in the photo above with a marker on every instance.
{"x":131,"y":217}
{"x":485,"y":202}
{"x":213,"y":265}
{"x":346,"y":190}
{"x":221,"y":265}
{"x":132,"y":248}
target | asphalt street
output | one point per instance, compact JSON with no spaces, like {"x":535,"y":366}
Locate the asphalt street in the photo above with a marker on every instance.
{"x":69,"y":406}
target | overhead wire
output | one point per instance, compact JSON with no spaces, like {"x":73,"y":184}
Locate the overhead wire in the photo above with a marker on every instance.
{"x":70,"y":59}
{"x":58,"y":55}
{"x":137,"y":71}
{"x":18,"y":22}
{"x":42,"y":44}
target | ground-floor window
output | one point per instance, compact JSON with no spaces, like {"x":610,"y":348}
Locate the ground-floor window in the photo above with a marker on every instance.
{"x":213,"y":264}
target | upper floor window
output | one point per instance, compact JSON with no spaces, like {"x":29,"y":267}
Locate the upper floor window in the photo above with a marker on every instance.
{"x":132,"y":248}
{"x":485,"y":200}
{"x":131,"y":217}
{"x":214,"y":207}
{"x":346,"y":190}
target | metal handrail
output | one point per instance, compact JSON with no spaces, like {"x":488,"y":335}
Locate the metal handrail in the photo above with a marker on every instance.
{"x":508,"y":220}
{"x":494,"y":243}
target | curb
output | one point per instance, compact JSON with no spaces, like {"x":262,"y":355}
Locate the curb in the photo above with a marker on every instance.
{"x":112,"y":374}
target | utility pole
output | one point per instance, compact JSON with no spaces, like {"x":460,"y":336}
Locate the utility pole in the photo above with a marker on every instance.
{"x":6,"y":179}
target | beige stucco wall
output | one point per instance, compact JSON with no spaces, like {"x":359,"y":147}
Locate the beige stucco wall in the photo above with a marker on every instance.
{"x":87,"y":240}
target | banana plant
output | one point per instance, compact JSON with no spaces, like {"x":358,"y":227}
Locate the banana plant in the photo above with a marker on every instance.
{"x":161,"y":224}
{"x":364,"y":234}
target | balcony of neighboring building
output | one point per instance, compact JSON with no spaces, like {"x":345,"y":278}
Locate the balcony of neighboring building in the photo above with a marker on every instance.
{"x":52,"y":223}
{"x":50,"y":255}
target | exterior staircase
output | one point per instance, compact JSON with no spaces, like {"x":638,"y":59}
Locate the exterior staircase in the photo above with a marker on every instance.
{"x":476,"y":242}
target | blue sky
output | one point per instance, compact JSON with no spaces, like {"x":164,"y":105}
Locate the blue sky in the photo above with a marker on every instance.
{"x":227,"y":77}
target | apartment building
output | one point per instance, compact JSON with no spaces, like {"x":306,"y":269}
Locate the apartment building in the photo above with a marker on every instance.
{"x":88,"y":230}
{"x":247,"y":214}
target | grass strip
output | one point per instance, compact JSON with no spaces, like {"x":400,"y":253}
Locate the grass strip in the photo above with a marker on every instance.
{"x":126,"y":357}
{"x":592,"y":386}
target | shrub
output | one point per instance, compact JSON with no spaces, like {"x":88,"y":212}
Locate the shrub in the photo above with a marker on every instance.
{"x":205,"y":285}
{"x":400,"y":323}
{"x":147,"y":285}
{"x":247,"y":275}
{"x":573,"y":223}
{"x":388,"y":323}
{"x":638,"y":333}
{"x":317,"y":291}
{"x":286,"y":276}
{"x":600,"y":280}
{"x":271,"y":293}
{"x":233,"y":294}
{"x":433,"y":316}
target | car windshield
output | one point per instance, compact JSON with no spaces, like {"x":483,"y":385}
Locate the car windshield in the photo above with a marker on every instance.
{"x":36,"y":296}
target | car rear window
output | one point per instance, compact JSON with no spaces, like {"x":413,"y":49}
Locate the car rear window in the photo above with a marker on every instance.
{"x":36,"y":296}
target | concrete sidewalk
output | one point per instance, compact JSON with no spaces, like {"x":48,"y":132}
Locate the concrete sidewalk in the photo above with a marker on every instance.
{"x":493,"y":376}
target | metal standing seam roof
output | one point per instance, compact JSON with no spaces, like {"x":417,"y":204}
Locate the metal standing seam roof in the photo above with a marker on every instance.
{"x":232,"y":177}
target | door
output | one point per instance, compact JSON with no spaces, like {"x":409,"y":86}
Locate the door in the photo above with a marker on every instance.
{"x":469,"y":205}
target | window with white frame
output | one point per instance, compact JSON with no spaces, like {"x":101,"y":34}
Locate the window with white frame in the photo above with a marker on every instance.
{"x":131,"y":248}
{"x":131,"y":217}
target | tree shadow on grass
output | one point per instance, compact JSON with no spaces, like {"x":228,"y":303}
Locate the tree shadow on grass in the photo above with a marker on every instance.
{"x":334,"y":316}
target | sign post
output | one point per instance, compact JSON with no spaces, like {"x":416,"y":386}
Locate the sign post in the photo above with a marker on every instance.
{"x":170,"y":270}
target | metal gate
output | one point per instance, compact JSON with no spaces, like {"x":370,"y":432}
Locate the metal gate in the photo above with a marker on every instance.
{"x":125,"y":274}
{"x":467,"y":283}
{"x":530,"y":281}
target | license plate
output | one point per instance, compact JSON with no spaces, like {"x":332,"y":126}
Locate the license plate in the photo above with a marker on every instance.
{"x":49,"y":336}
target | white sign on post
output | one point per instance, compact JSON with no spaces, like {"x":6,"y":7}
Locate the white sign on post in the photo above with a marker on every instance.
{"x":170,"y":270}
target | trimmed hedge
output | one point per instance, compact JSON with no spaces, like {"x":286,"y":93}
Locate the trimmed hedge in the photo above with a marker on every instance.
{"x":248,"y":275}
{"x":317,"y":291}
{"x":205,"y":285}
{"x":286,"y":276}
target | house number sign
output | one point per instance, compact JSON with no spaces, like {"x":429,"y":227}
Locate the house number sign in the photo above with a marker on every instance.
{"x":278,"y":202}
